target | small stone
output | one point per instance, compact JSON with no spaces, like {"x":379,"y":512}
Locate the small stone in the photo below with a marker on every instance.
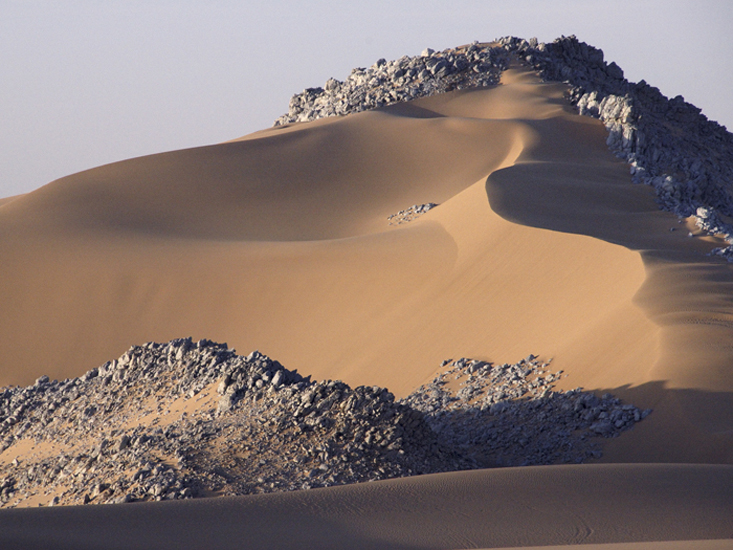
{"x":123,"y":443}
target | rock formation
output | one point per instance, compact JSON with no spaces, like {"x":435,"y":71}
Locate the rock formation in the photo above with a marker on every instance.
{"x":188,"y":419}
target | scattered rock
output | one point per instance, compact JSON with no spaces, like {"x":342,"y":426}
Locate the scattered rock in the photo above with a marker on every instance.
{"x":409,"y":214}
{"x":509,"y":415}
{"x":195,"y":419}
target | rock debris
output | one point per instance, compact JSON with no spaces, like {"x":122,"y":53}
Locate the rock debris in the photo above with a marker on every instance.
{"x":406,"y":78}
{"x":509,"y":415}
{"x":409,"y":214}
{"x":191,"y":419}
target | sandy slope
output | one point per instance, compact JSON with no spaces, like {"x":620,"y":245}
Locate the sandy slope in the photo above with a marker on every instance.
{"x":279,"y":242}
{"x":6,"y":200}
{"x":511,"y":507}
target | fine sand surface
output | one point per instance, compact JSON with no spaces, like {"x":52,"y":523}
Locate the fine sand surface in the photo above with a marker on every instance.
{"x":512,"y":507}
{"x":6,"y":200}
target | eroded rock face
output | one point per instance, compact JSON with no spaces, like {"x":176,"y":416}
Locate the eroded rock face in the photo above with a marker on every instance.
{"x":187,"y":419}
{"x":668,"y":143}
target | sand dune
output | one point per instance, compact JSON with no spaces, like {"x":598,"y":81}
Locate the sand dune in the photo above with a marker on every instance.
{"x":586,"y":505}
{"x":279,"y":242}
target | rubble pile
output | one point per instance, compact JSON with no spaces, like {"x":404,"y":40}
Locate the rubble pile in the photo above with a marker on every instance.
{"x":191,"y":419}
{"x":510,"y":415}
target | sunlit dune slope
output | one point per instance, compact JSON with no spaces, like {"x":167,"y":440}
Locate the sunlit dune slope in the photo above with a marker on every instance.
{"x":279,"y":241}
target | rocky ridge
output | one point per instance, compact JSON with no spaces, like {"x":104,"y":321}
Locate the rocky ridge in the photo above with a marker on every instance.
{"x":192,"y":419}
{"x":406,"y":78}
{"x":668,"y":143}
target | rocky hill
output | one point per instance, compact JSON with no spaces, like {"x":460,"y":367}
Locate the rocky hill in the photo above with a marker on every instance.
{"x":192,"y":419}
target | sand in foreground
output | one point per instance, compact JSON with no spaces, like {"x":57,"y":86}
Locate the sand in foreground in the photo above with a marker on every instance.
{"x":512,"y":507}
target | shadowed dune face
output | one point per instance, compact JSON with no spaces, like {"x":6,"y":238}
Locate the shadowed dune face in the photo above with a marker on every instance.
{"x":279,"y":241}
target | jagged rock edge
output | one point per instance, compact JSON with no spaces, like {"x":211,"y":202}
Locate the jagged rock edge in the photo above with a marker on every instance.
{"x":668,"y":143}
{"x":281,"y":431}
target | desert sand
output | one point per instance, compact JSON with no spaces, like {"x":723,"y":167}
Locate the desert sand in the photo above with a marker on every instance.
{"x":279,"y":241}
{"x":510,"y":507}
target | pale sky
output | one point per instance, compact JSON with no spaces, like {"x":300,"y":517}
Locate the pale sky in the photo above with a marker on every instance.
{"x":88,"y":82}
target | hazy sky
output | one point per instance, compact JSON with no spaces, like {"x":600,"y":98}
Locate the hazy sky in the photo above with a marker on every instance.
{"x":87,"y":82}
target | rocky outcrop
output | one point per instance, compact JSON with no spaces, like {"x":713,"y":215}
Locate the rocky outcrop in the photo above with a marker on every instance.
{"x":406,"y":78}
{"x":668,"y":143}
{"x":189,"y":419}
{"x":184,"y":419}
{"x":510,"y":415}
